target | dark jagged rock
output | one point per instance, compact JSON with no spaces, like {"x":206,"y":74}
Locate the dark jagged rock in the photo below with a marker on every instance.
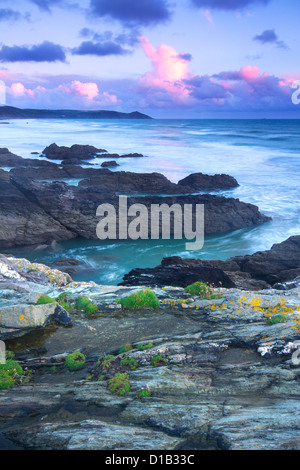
{"x":75,"y":207}
{"x":280,"y":264}
{"x":23,"y":221}
{"x":128,"y":183}
{"x":201,"y":182}
{"x":178,"y":276}
{"x":132,"y":155}
{"x":63,"y":211}
{"x":278,"y":267}
{"x":8,"y":159}
{"x":79,"y":152}
{"x":109,"y":164}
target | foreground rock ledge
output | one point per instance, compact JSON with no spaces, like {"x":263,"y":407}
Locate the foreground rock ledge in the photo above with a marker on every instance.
{"x":229,"y":382}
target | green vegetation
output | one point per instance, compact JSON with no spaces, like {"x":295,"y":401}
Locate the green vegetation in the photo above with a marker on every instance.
{"x":63,"y":297}
{"x":119,"y":384}
{"x":125,"y":348}
{"x":157,"y":359}
{"x":65,"y":305}
{"x":129,"y":361}
{"x":174,"y":302}
{"x":83,"y":303}
{"x":144,"y":393}
{"x":106,"y":361}
{"x":6,"y":381}
{"x":9,"y":355}
{"x":91,"y":309}
{"x":45,"y":299}
{"x":143,"y":298}
{"x":144,"y":346}
{"x":277,"y":319}
{"x":11,"y":368}
{"x":75,"y":361}
{"x":202,"y":290}
{"x":62,"y":300}
{"x":10,"y":373}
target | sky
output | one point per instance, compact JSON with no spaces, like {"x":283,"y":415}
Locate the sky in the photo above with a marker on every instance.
{"x":165,"y":58}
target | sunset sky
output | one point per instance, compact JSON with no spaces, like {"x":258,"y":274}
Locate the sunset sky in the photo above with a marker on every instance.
{"x":166,"y":58}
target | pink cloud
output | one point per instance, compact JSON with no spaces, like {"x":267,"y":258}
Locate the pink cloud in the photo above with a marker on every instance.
{"x":110,"y":99}
{"x":89,"y":90}
{"x":18,"y":89}
{"x":249,"y":72}
{"x":207,"y":16}
{"x":170,"y":68}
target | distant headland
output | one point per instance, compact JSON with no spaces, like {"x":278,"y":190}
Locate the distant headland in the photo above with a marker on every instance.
{"x":9,"y":112}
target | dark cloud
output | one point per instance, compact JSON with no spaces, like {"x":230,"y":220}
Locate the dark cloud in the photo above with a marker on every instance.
{"x":203,"y":88}
{"x":227,"y":4}
{"x":229,"y":75}
{"x":130,"y":38}
{"x":187,"y":57}
{"x":99,"y":49}
{"x":6,"y":14}
{"x":139,"y":12}
{"x":45,"y":52}
{"x":270,"y":37}
{"x":267,"y":36}
{"x":47,"y":4}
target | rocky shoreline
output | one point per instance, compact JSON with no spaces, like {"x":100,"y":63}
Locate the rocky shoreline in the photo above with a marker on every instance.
{"x":278,"y":267}
{"x":218,"y":374}
{"x":188,"y":372}
{"x":41,"y":200}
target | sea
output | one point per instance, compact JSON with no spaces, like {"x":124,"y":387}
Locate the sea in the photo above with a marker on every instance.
{"x":263,"y":155}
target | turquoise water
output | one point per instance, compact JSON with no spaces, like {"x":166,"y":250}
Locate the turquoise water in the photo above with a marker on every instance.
{"x":263,"y":155}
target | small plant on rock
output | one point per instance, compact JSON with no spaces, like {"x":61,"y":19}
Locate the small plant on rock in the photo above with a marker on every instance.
{"x":9,"y":355}
{"x":125,"y":348}
{"x":75,"y":361}
{"x":157,"y":360}
{"x":6,"y":381}
{"x":144,"y":298}
{"x":106,"y":361}
{"x":62,"y":300}
{"x":119,"y":384}
{"x":129,"y":361}
{"x":144,"y":393}
{"x":83,"y":303}
{"x":277,"y":319}
{"x":91,"y":309}
{"x":144,"y":347}
{"x":202,"y":290}
{"x":10,"y":373}
{"x":45,"y":299}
